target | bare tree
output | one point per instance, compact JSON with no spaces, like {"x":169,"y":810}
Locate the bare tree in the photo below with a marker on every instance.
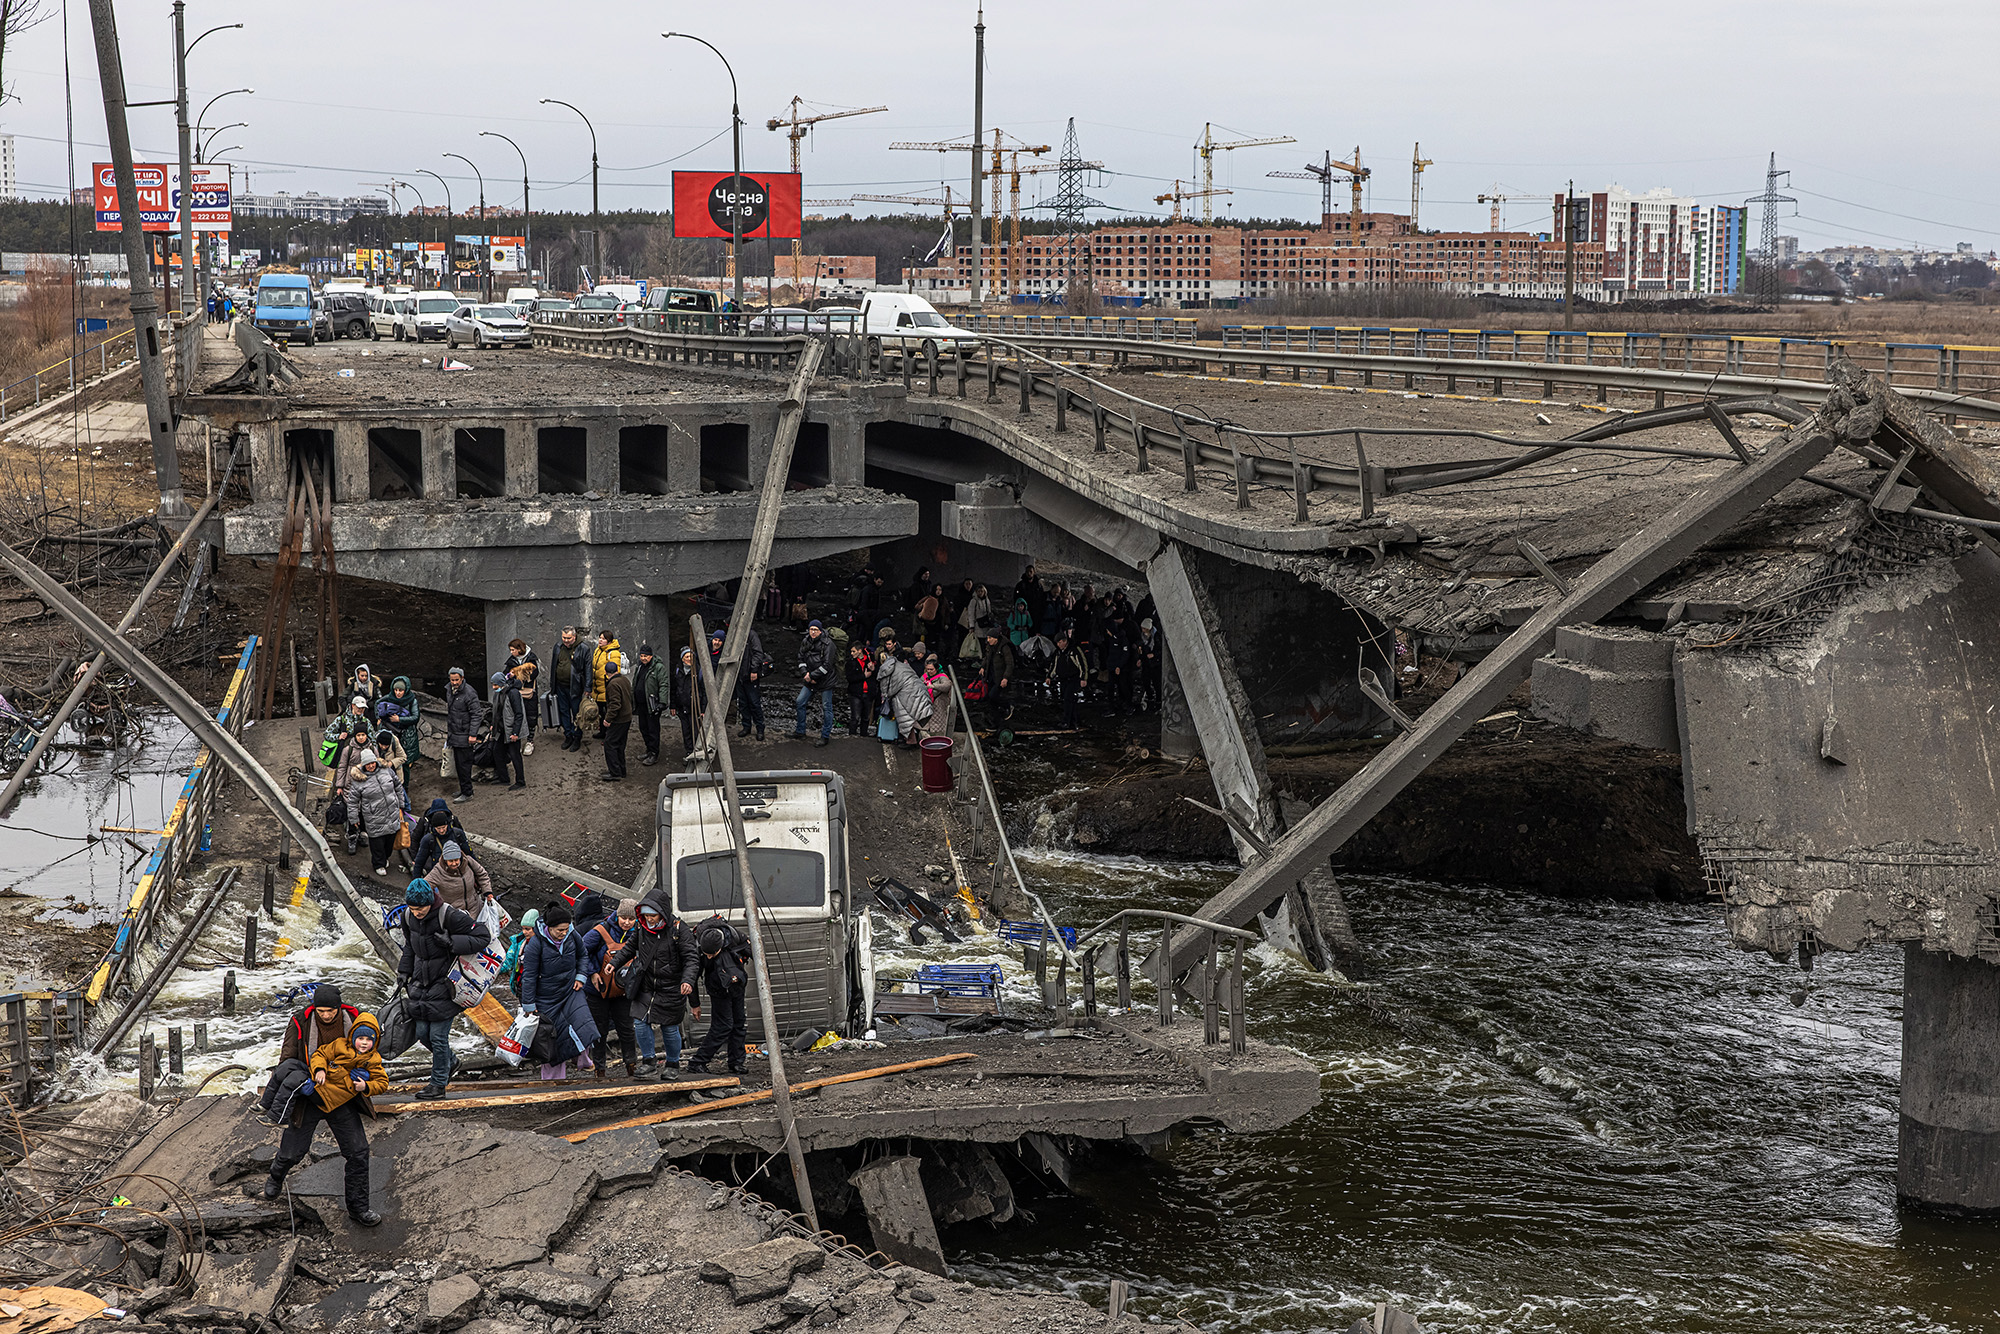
{"x":16,"y":17}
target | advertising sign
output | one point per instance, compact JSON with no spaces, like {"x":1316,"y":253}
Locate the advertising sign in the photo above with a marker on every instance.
{"x":508,"y":254}
{"x":466,"y":253}
{"x":434,"y":256}
{"x":156,"y":210}
{"x":707,"y":202}
{"x":209,"y":198}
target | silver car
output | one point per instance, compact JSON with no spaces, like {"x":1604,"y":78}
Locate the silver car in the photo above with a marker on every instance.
{"x":486,"y":326}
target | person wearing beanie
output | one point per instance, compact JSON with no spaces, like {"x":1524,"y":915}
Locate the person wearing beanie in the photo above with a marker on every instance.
{"x":390,"y":751}
{"x":510,"y":729}
{"x":817,"y":663}
{"x":460,"y":880}
{"x":749,"y":693}
{"x":323,"y":1019}
{"x":605,"y":992}
{"x":657,"y":962}
{"x":652,"y":695}
{"x":341,"y":1073}
{"x":435,"y":934}
{"x":554,"y":973}
{"x":438,"y":826}
{"x":465,"y":722}
{"x":375,"y":802}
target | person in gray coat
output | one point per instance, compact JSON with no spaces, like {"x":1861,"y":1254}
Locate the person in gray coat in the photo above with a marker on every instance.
{"x":510,"y":729}
{"x":904,"y":693}
{"x":375,"y":799}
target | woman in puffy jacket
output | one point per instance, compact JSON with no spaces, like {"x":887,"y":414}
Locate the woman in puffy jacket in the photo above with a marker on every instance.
{"x":399,"y":712}
{"x":375,"y":799}
{"x":553,"y":974}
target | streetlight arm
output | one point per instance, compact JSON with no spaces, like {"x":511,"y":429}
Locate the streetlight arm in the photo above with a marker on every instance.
{"x":217,"y":98}
{"x":551,"y":101}
{"x":211,"y":32}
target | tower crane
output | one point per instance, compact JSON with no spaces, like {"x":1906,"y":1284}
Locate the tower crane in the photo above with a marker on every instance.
{"x":1177,"y":195}
{"x":1498,"y":201}
{"x":1417,"y":164}
{"x":1208,"y":148}
{"x":999,"y":148}
{"x":1324,"y":172}
{"x":796,"y":128}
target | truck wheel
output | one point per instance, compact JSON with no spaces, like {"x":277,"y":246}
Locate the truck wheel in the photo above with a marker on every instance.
{"x":309,"y":338}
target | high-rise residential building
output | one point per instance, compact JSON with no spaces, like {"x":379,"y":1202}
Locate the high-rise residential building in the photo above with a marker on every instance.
{"x":1648,"y":240}
{"x":10,"y":181}
{"x":1720,"y":248}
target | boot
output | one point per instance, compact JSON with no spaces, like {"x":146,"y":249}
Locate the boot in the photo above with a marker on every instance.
{"x":366,"y":1217}
{"x":270,"y":1188}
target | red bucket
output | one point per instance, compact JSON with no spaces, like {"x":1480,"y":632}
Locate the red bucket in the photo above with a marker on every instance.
{"x":937,"y":763}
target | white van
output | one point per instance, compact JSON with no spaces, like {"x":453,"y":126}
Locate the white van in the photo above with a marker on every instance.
{"x":425,"y":313}
{"x":629,"y":293}
{"x":522,"y":298}
{"x":385,"y":316}
{"x":332,"y":285}
{"x":903,"y":319}
{"x":816,"y":931}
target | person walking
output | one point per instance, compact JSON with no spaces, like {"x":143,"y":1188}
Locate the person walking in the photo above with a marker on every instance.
{"x":617,"y":723}
{"x":510,"y":729}
{"x":553,"y":975}
{"x":569,"y":663}
{"x":400,"y":713}
{"x":376,"y":799}
{"x":725,"y":973}
{"x":605,"y":991}
{"x":435,"y":934}
{"x":998,"y":665}
{"x":659,"y":963}
{"x":321,"y":1031}
{"x":1070,"y":671}
{"x":460,"y":881}
{"x":465,"y":719}
{"x":816,"y":667}
{"x":525,"y":669}
{"x":652,"y":695}
{"x":439,"y":826}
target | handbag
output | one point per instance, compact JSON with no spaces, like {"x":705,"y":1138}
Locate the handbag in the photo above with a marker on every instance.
{"x":609,"y":985}
{"x":336,"y":813}
{"x":590,"y":713}
{"x":399,"y":1026}
{"x":403,"y":834}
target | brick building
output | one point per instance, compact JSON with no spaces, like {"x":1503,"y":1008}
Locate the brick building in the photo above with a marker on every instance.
{"x":828,"y":272}
{"x":1648,"y":240}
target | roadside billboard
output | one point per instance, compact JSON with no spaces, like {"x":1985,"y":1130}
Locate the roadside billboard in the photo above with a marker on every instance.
{"x":767,"y":203}
{"x":159,"y":202}
{"x":507,"y":254}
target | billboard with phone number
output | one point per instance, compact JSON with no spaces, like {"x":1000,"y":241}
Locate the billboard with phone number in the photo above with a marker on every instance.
{"x":763,"y":204}
{"x":159,"y":202}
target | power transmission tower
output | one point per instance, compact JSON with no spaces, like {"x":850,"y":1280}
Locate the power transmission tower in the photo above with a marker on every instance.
{"x":1069,"y":206}
{"x":1770,"y":278}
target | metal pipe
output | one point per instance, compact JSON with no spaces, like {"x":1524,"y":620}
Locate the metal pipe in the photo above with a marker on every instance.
{"x":83,"y":683}
{"x":774,"y":1048}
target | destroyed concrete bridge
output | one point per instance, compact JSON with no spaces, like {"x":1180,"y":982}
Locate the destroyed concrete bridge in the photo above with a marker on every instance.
{"x":1796,"y":600}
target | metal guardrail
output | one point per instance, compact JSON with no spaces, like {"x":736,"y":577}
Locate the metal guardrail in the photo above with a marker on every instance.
{"x":30,"y":390}
{"x":188,"y":338}
{"x":645,"y":339}
{"x":1215,"y":991}
{"x":37,"y":1029}
{"x":1176,"y":329}
{"x":184,"y":834}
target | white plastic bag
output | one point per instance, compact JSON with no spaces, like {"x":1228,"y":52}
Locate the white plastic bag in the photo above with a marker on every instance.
{"x":520,"y":1036}
{"x":475,"y":973}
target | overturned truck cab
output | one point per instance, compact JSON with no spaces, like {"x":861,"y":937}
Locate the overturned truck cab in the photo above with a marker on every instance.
{"x":815,"y":932}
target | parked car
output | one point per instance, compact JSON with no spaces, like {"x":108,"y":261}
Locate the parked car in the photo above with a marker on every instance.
{"x":903,"y":319}
{"x":602,"y":301}
{"x":492,"y":325}
{"x":385,"y":316}
{"x":322,"y":322}
{"x":347,"y":313}
{"x":550,"y":304}
{"x":427,"y":314}
{"x":780,"y":320}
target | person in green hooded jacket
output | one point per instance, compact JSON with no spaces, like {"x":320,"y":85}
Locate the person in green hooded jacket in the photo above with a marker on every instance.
{"x":399,"y":712}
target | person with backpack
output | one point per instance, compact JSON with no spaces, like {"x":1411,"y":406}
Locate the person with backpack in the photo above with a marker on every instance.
{"x":609,"y":1007}
{"x":465,"y":720}
{"x":435,"y":934}
{"x":725,"y":972}
{"x":553,"y":975}
{"x":658,"y":962}
{"x":816,"y":666}
{"x":523,"y":668}
{"x":439,"y":826}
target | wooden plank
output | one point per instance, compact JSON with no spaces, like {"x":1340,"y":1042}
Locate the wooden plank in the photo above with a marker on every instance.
{"x":450,"y":1104}
{"x":491,"y":1017}
{"x":747,"y":1098}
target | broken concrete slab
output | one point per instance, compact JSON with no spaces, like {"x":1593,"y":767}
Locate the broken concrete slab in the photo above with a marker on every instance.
{"x":253,"y":1284}
{"x":450,"y":1302}
{"x":899,"y":1214}
{"x":964,"y":1182}
{"x":328,"y":1177}
{"x":555,"y":1291}
{"x":624,"y":1159}
{"x":764,"y":1270}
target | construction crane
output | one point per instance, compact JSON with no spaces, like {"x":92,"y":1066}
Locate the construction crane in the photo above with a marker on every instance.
{"x":1177,"y":195}
{"x":1417,"y":164}
{"x":1498,"y":201}
{"x":999,"y":148}
{"x":932,"y":201}
{"x":796,"y":128}
{"x":1324,"y":172}
{"x":1208,"y":148}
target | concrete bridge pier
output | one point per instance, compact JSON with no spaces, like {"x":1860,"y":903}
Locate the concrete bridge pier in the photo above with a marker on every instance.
{"x":636,"y":618}
{"x":1948,"y":1141}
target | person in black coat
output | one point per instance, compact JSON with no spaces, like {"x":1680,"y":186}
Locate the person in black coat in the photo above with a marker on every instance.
{"x":434,"y":935}
{"x":569,"y":678}
{"x":510,"y":729}
{"x":658,"y":964}
{"x":725,"y":972}
{"x":554,"y":971}
{"x":465,"y":719}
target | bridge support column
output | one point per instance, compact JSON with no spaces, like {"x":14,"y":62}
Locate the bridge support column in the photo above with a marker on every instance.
{"x":1948,"y":1150}
{"x":1177,"y":735}
{"x":269,"y":477}
{"x":521,"y":458}
{"x":846,"y":448}
{"x":350,"y":461}
{"x":600,"y":457}
{"x":683,"y":455}
{"x":440,"y":461}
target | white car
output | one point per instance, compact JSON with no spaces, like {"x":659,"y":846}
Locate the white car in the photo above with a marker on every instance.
{"x":901,"y":319}
{"x":425,"y":314}
{"x":385,"y":316}
{"x":487,"y":326}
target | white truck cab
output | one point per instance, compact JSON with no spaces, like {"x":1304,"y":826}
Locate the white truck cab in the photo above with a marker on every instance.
{"x":903,"y":319}
{"x":815,"y":929}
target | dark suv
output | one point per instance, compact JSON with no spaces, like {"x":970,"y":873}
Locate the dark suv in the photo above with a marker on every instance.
{"x":347,"y":314}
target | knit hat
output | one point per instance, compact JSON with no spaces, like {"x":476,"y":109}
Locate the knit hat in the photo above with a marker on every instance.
{"x":326,"y":996}
{"x":529,"y":918}
{"x":499,"y":679}
{"x":419,"y":894}
{"x":439,"y":817}
{"x":814,"y":625}
{"x":367,"y":757}
{"x":364,"y":1028}
{"x":557,"y":914}
{"x":455,"y":671}
{"x":628,"y":907}
{"x":451,"y":852}
{"x":646,"y":649}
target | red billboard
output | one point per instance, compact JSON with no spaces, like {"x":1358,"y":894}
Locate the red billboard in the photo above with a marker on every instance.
{"x":766,"y":202}
{"x":156,"y":208}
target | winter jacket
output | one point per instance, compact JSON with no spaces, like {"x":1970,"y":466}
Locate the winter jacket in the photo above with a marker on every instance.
{"x":999,"y":664}
{"x":549,"y":968}
{"x":817,"y":661}
{"x":727,"y":970}
{"x":465,"y":891}
{"x":377,"y":799}
{"x":1071,"y":668}
{"x":398,"y":710}
{"x":465,"y":715}
{"x":510,"y":715}
{"x":394,"y":758}
{"x":304,"y":1034}
{"x":684,"y":688}
{"x":654,"y":964}
{"x":604,"y":662}
{"x":859,"y":671}
{"x":617,"y":700}
{"x":341,"y":1063}
{"x":365,"y":686}
{"x":977,"y":610}
{"x":1020,"y":622}
{"x":572,"y":663}
{"x":431,"y":947}
{"x":653,"y":687}
{"x":904,"y":691}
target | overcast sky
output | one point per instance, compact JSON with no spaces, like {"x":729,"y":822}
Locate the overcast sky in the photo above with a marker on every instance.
{"x":1883,"y":112}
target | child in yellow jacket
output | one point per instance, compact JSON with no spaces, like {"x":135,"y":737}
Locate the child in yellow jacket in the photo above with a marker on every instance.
{"x":350,"y":1067}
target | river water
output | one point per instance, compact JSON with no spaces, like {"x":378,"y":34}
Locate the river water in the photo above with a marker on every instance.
{"x":1544,"y":1115}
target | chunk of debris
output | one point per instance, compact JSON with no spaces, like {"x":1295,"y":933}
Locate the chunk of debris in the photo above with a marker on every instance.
{"x":556,"y":1292}
{"x":450,"y":1302}
{"x":251,"y":1284}
{"x":764,"y":1270}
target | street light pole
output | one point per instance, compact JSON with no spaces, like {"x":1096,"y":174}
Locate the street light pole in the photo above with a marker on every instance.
{"x":201,"y":145}
{"x":422,"y":205}
{"x":736,"y":179}
{"x":596,"y":235}
{"x":448,"y":215}
{"x":527,"y":214}
{"x":485,"y":242}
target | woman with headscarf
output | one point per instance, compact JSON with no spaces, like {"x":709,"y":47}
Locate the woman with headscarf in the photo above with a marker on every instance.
{"x":399,"y":712}
{"x":364,"y":684}
{"x":686,"y":690}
